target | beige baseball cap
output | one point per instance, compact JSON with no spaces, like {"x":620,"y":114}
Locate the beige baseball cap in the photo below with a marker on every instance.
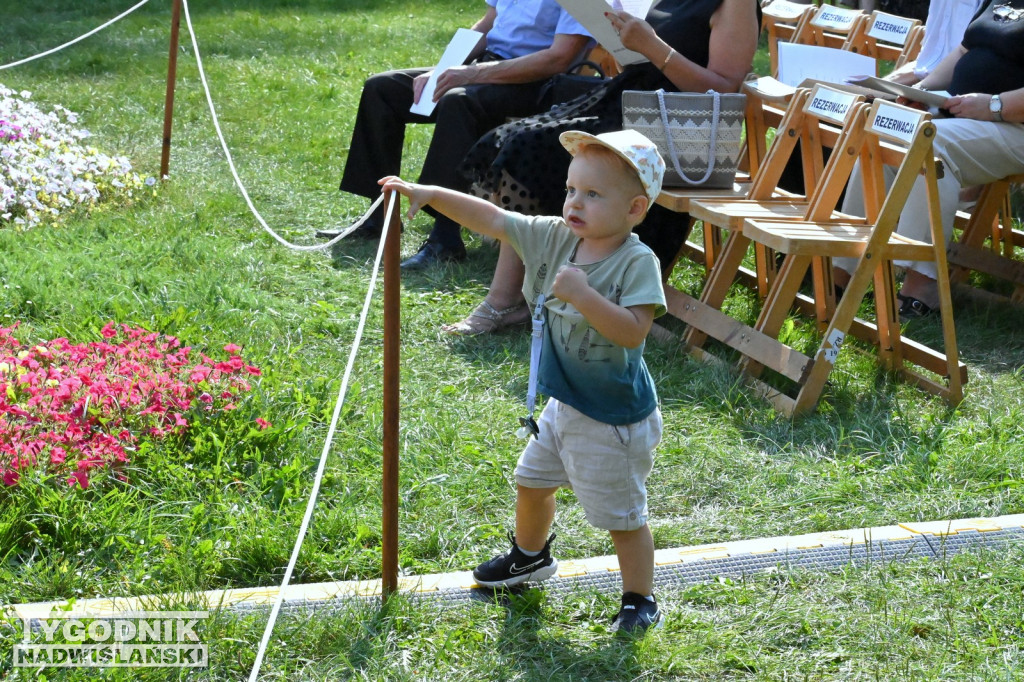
{"x":637,"y":150}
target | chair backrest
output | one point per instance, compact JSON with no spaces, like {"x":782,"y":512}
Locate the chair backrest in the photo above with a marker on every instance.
{"x":779,"y":20}
{"x":828,"y":26}
{"x":886,"y":37}
{"x":816,"y":118}
{"x":900,"y":137}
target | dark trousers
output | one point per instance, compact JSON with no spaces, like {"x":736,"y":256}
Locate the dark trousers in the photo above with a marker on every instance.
{"x":461,"y":116}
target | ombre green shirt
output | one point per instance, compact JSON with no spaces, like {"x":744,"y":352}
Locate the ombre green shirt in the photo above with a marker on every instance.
{"x":579,"y":366}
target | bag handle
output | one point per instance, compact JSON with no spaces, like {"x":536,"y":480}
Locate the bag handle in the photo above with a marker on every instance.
{"x":671,"y":144}
{"x":594,"y":66}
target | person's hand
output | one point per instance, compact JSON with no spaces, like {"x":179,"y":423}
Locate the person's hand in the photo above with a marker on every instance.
{"x":418,"y":195}
{"x":913,"y":104}
{"x":569,"y":283}
{"x":418,"y":83}
{"x":456,"y":77}
{"x":975,"y":105}
{"x":635,"y":34}
{"x":903,"y":77}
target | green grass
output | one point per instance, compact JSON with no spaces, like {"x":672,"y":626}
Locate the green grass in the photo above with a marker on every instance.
{"x":211,"y":513}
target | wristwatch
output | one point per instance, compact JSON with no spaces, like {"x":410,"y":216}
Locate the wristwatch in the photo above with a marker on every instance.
{"x":995,"y":105}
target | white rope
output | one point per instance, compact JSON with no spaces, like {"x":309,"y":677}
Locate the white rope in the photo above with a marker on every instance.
{"x":72,"y":42}
{"x":234,"y":173}
{"x":261,"y":652}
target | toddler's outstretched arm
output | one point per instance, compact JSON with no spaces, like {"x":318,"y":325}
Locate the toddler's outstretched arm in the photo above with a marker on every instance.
{"x":476,"y":214}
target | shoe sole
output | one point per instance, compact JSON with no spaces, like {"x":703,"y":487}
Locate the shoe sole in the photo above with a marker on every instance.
{"x":540,"y":575}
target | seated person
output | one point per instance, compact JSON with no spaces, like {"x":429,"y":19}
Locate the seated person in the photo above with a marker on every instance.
{"x":982,"y":141}
{"x":947,"y":21}
{"x":598,"y":290}
{"x":526,"y":42}
{"x":692,"y":45}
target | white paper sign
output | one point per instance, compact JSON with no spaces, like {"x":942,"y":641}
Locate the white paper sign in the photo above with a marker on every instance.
{"x":890,"y":28}
{"x":590,"y":14}
{"x":458,"y":50}
{"x":836,"y":18}
{"x":800,"y":62}
{"x":831,"y":105}
{"x":784,"y":9}
{"x":899,"y":122}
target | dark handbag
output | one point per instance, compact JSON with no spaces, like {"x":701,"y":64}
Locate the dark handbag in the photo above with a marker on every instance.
{"x":698,"y":134}
{"x":563,"y":87}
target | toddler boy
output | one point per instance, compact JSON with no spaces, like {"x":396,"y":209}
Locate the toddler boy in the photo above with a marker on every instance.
{"x":602,"y":290}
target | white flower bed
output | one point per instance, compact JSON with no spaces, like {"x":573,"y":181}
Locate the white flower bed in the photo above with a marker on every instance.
{"x":46,"y":168}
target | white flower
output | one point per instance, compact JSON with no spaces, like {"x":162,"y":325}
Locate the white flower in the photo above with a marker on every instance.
{"x":45,"y":168}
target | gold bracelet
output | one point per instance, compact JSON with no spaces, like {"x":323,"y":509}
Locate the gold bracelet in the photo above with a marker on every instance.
{"x":668,"y":58}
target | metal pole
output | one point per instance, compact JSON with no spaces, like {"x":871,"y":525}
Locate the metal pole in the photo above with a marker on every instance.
{"x":392,"y":344}
{"x":172,"y":76}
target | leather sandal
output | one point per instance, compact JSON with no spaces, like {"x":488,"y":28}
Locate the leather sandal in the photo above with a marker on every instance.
{"x":486,"y":319}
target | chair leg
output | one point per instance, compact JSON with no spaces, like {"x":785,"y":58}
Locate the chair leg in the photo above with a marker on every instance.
{"x":778,"y":304}
{"x":718,"y":284}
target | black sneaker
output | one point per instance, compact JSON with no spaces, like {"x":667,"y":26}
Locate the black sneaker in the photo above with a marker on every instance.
{"x":432,"y":253}
{"x":637,"y":615}
{"x":913,"y":309}
{"x":514,"y":567}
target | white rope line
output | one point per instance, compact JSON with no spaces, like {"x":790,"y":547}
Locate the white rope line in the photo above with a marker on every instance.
{"x":72,"y":42}
{"x":261,"y":652}
{"x":234,"y":173}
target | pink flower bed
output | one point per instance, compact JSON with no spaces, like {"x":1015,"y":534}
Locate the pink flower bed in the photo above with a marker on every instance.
{"x":72,"y":409}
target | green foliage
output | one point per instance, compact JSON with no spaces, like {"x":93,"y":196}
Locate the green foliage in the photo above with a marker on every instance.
{"x":222,"y":509}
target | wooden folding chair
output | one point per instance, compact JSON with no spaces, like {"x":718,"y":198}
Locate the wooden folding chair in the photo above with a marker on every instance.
{"x":779,"y":20}
{"x":761,"y":112}
{"x":886,"y":37}
{"x":991,"y":219}
{"x":816,"y":119}
{"x":893,"y":135}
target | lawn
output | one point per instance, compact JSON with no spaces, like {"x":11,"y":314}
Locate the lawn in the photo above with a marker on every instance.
{"x":219,"y":505}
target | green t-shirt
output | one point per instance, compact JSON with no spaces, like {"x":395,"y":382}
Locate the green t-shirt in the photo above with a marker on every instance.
{"x":578,"y":366}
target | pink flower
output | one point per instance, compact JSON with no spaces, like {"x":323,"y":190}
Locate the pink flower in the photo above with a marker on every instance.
{"x":253,"y":370}
{"x":73,"y":408}
{"x":262,"y":423}
{"x":200,"y":373}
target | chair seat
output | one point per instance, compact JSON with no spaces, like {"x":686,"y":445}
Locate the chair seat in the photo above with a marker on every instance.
{"x":731,"y":214}
{"x":834,"y":239}
{"x":678,"y":199}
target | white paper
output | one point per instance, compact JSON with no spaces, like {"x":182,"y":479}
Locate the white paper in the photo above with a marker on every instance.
{"x":933,"y":98}
{"x":797,"y":63}
{"x":590,"y":13}
{"x":458,"y":50}
{"x":771,"y":87}
{"x":638,"y":8}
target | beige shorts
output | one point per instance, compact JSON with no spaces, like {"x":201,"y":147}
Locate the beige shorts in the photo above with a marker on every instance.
{"x":606,"y":466}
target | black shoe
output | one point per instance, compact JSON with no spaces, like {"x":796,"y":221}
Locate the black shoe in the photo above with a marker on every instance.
{"x":637,"y":615}
{"x":514,"y":567}
{"x":432,"y":253}
{"x":369,"y":230}
{"x":913,"y":309}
